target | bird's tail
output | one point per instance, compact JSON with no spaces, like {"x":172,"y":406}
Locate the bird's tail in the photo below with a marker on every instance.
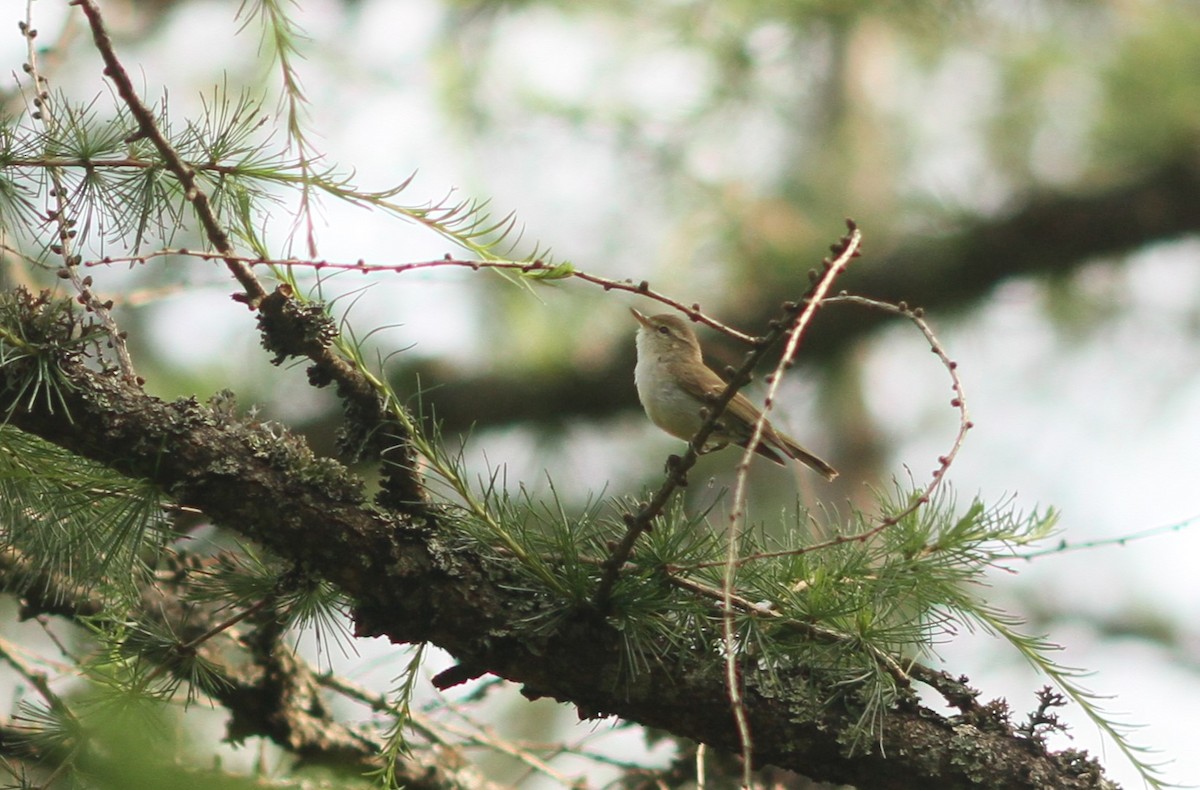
{"x":811,"y":461}
{"x":793,"y":450}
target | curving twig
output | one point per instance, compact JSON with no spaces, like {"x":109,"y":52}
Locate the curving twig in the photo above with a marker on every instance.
{"x":677,"y":467}
{"x":844,"y":251}
{"x":959,"y":402}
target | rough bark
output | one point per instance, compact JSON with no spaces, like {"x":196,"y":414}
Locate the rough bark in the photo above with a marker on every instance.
{"x":410,"y":583}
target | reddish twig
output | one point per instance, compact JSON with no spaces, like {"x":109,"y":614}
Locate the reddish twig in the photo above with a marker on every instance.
{"x":845,"y":251}
{"x":959,"y":402}
{"x":534,"y":267}
{"x":147,"y":128}
{"x":58,"y":216}
{"x":641,"y":521}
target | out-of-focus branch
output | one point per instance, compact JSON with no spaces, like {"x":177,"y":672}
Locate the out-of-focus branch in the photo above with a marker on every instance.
{"x":271,"y":693}
{"x":1049,"y":234}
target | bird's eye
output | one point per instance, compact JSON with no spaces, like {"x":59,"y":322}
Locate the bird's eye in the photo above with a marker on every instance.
{"x":662,"y":330}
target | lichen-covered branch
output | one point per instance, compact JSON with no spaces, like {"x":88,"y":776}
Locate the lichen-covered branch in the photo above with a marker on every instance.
{"x":407,"y":582}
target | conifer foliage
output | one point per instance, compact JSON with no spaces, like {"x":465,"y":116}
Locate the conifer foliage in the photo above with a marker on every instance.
{"x":167,"y":554}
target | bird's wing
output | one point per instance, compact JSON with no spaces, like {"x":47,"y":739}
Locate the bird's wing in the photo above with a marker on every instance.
{"x":705,"y":385}
{"x":698,"y":381}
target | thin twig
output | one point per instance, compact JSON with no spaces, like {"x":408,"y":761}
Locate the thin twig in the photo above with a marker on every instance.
{"x":959,"y":402}
{"x":114,"y":163}
{"x":828,"y":635}
{"x":39,"y":681}
{"x":379,"y":703}
{"x":437,"y":732}
{"x":1062,"y":547}
{"x":845,"y":251}
{"x":484,"y":736}
{"x":67,"y":653}
{"x":677,"y":467}
{"x":191,"y":645}
{"x":59,"y":216}
{"x":279,"y":36}
{"x":148,"y":129}
{"x":642,"y":288}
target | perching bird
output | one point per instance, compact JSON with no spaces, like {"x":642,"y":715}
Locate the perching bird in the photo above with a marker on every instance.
{"x":674,"y":385}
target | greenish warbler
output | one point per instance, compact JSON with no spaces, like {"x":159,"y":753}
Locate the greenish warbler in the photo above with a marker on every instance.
{"x":674,"y":386}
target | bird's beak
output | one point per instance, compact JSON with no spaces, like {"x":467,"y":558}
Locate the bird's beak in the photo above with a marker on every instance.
{"x":641,"y":319}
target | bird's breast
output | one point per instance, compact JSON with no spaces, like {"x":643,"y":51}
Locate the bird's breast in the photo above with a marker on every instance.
{"x":666,"y":403}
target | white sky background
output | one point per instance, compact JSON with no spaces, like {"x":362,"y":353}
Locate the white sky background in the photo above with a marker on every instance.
{"x":1103,"y":429}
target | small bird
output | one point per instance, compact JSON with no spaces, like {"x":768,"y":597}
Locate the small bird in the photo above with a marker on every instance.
{"x":674,"y":385}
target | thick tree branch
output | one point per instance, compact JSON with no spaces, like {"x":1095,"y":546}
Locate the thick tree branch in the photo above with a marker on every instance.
{"x":411,"y":584}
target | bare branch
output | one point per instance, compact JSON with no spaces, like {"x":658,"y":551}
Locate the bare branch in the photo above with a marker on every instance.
{"x":844,"y":251}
